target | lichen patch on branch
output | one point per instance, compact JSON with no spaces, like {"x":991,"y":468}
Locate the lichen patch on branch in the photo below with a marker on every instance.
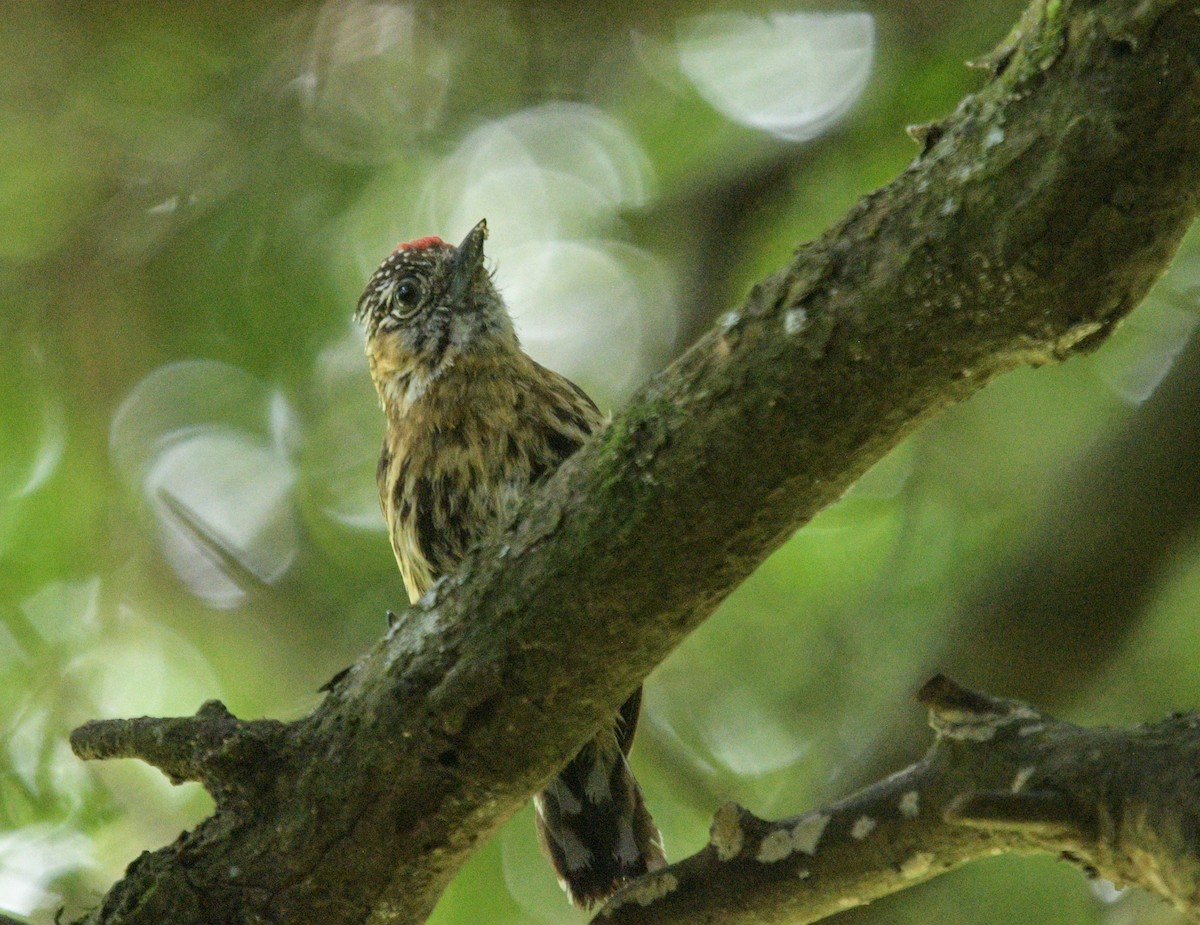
{"x":726,"y":835}
{"x":918,"y":865}
{"x":806,"y":834}
{"x":644,"y":892}
{"x":863,"y":826}
{"x":978,"y":801}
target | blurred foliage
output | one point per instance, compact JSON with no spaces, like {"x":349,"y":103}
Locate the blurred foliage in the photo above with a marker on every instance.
{"x":192,"y":198}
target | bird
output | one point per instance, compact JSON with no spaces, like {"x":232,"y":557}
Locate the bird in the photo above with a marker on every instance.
{"x":472,"y":424}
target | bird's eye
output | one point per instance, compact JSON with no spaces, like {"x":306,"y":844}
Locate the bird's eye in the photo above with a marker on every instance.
{"x":408,"y":291}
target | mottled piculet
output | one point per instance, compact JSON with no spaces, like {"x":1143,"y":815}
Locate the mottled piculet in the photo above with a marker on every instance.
{"x":472,"y":423}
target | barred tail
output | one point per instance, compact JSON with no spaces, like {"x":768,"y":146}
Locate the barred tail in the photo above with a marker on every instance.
{"x":592,"y":822}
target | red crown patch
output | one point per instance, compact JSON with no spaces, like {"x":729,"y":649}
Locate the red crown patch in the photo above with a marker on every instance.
{"x":421,"y":244}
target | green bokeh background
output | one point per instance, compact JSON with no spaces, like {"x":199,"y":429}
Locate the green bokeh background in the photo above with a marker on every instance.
{"x":214,"y":182}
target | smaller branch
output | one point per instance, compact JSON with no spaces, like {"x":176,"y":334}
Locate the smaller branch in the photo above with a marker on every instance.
{"x":1000,"y":777}
{"x":176,"y":746}
{"x":214,"y":747}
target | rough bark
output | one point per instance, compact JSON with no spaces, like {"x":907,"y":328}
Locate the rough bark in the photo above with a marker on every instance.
{"x":1001,"y":777}
{"x":1036,"y":217}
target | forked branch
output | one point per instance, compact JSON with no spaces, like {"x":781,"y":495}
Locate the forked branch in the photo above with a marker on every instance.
{"x":1001,"y":777}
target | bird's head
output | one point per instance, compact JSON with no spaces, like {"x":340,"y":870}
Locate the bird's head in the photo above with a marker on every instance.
{"x":431,"y":303}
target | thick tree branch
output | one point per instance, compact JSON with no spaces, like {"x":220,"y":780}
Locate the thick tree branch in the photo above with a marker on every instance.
{"x":1000,"y":777}
{"x":1037,"y":217}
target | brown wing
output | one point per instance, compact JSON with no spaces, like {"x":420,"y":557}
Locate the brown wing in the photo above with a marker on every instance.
{"x":381,"y":477}
{"x":560,"y":420}
{"x":398,"y":514}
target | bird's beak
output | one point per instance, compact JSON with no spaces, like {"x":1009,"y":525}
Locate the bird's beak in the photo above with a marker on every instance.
{"x":467,"y":259}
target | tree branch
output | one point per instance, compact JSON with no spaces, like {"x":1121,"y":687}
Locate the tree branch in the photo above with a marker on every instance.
{"x":1036,"y":218}
{"x":1000,"y":777}
{"x":227,"y":755}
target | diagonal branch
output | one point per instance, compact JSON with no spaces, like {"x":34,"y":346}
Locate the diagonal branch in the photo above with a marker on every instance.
{"x":1001,"y":777}
{"x":1037,"y":217}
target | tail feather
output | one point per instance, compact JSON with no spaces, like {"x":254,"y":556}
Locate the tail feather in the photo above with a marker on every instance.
{"x":592,"y":821}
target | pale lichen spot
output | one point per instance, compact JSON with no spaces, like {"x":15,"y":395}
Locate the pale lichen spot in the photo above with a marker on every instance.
{"x":803,"y":873}
{"x":966,"y":171}
{"x":644,"y":892}
{"x":795,"y":320}
{"x":729,"y":321}
{"x":774,"y":847}
{"x":1022,"y":778}
{"x":917,"y":866}
{"x":1031,"y":729}
{"x":806,"y":834}
{"x":994,"y":137}
{"x":978,"y":725}
{"x":234,"y":872}
{"x":910,"y":805}
{"x":726,"y":835}
{"x":863,"y":826}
